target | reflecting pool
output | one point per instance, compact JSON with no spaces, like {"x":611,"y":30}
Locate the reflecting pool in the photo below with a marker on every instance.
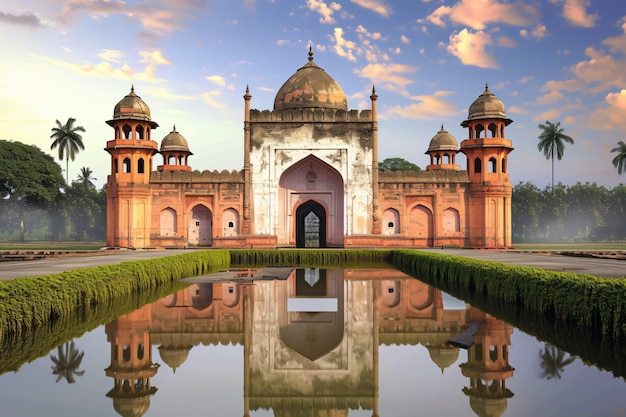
{"x":323,"y":343}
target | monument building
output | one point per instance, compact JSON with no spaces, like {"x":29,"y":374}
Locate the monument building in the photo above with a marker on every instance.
{"x":310,"y":179}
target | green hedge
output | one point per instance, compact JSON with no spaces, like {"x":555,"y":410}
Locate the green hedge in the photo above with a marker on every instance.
{"x":583,"y":299}
{"x":28,"y":303}
{"x":327,"y":258}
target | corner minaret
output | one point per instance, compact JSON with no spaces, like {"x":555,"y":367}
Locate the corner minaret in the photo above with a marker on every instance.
{"x":131,"y":150}
{"x":487,"y":150}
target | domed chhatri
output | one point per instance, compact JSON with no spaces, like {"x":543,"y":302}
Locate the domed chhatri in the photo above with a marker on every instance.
{"x":131,"y":107}
{"x":487,"y":106}
{"x":174,"y":141}
{"x":310,"y":87}
{"x":443,"y":141}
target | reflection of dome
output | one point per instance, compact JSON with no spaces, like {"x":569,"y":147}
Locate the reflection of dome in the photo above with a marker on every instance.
{"x":131,"y":407}
{"x":310,"y":87}
{"x":487,"y":105}
{"x":443,"y":141}
{"x":174,"y":141}
{"x":488,"y":407}
{"x":443,"y":356}
{"x":131,"y":107}
{"x":174,"y":356}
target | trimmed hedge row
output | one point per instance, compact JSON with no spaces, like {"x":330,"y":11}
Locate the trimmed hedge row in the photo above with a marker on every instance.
{"x":327,"y":258}
{"x":583,"y":299}
{"x":28,"y":303}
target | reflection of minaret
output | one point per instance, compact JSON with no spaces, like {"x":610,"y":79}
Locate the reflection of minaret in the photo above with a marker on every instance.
{"x":488,"y":366}
{"x":131,"y":363}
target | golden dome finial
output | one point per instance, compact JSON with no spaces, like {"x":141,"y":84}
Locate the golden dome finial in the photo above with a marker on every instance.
{"x":310,"y":53}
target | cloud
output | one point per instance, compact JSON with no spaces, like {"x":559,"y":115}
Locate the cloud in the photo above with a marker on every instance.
{"x":550,"y":98}
{"x":478,"y":14}
{"x":469,"y":47}
{"x":388,"y":76}
{"x":209,"y":98}
{"x":216,"y":79}
{"x":110,"y":55}
{"x":325,"y":10}
{"x":606,"y":71}
{"x":539,"y":32}
{"x":610,"y":117}
{"x":282,"y":42}
{"x":343,"y":47}
{"x":158,"y":18}
{"x":404,"y":39}
{"x":427,"y":107}
{"x":375,"y":5}
{"x":152,"y":59}
{"x":575,"y":12}
{"x":25,"y":19}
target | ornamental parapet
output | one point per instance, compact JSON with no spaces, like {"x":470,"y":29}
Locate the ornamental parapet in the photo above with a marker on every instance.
{"x":310,"y":115}
{"x":196,"y":176}
{"x":422,"y":176}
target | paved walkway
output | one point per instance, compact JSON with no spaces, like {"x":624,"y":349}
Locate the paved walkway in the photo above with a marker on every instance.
{"x":546,"y":260}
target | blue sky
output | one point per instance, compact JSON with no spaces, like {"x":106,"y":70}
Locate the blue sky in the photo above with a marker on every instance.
{"x":191,"y":60}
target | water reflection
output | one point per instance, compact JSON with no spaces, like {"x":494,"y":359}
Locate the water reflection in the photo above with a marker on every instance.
{"x":310,"y":342}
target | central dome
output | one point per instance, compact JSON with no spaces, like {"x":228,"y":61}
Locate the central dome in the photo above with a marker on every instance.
{"x":311,"y":87}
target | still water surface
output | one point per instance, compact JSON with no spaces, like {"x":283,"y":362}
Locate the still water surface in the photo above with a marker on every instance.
{"x":321,"y":343}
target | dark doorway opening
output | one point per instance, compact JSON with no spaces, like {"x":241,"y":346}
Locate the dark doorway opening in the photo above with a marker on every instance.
{"x":311,"y":225}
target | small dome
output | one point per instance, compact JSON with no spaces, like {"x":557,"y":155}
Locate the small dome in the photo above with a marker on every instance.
{"x":443,"y":356}
{"x":443,"y":141}
{"x":486,"y":106}
{"x":131,"y":407}
{"x":174,"y":141}
{"x":311,"y":87}
{"x":132,"y":107}
{"x":174,"y":356}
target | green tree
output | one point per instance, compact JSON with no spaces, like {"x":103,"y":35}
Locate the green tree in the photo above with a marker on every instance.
{"x":29,"y":180}
{"x":67,"y":363}
{"x":526,"y":206}
{"x":397,"y":164}
{"x":552,"y":142}
{"x":86,"y":177}
{"x":619,"y":161}
{"x":84,"y":209}
{"x":68,"y":140}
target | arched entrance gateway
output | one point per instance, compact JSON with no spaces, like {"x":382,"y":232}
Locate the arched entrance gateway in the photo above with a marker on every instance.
{"x":311,"y":225}
{"x":311,"y":204}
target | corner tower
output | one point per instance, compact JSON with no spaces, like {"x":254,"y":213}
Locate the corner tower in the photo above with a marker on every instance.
{"x":127,"y":188}
{"x":490,"y":190}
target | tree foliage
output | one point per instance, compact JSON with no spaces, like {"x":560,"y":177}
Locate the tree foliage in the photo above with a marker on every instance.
{"x":552,"y":142}
{"x":30,"y":180}
{"x":397,"y":164}
{"x":67,"y":138}
{"x":619,"y":162}
{"x":568,"y":213}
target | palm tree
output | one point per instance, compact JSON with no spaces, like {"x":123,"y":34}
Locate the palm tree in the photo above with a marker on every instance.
{"x":85,"y":177}
{"x":551,"y":142}
{"x":68,"y":140}
{"x":619,"y":161}
{"x":553,"y":362}
{"x":68,"y":362}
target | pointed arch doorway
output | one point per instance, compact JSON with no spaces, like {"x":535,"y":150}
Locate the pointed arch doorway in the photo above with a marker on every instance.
{"x":311,"y":225}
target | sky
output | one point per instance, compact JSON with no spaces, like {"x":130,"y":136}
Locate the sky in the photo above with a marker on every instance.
{"x":191,"y":61}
